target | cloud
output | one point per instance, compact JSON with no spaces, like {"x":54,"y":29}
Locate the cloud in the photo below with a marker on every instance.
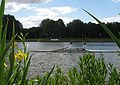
{"x":63,"y":10}
{"x":30,"y":1}
{"x":116,"y":1}
{"x":32,"y":21}
{"x":110,"y":19}
{"x":14,"y":7}
{"x":45,"y":12}
{"x":54,"y":13}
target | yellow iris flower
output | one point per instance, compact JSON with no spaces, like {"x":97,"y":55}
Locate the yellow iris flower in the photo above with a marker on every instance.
{"x":5,"y":64}
{"x":20,"y":55}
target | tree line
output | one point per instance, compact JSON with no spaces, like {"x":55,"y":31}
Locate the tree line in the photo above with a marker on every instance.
{"x":10,"y":19}
{"x":49,"y":28}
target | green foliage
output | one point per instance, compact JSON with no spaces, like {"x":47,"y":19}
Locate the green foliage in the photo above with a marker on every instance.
{"x":93,"y":70}
{"x":2,"y":39}
{"x":90,"y":71}
{"x":114,"y":78}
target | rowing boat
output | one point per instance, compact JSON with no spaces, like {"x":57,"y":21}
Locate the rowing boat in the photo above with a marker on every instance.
{"x":78,"y":51}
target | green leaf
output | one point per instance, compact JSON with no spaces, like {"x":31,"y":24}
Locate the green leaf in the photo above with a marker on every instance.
{"x":50,"y":72}
{"x":21,"y":34}
{"x":25,"y":72}
{"x":114,"y":38}
{"x":2,"y":7}
{"x":11,"y":57}
{"x":45,"y":80}
{"x":20,"y":37}
{"x":4,"y":53}
{"x":4,"y":37}
{"x":3,"y":46}
{"x":14,"y":75}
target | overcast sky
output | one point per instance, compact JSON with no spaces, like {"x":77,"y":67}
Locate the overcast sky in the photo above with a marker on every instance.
{"x":31,"y":12}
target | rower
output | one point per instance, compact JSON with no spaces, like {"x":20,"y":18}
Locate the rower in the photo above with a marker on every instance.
{"x":84,"y":45}
{"x":70,"y":46}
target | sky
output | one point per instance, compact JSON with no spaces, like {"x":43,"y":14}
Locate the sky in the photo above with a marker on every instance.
{"x":31,"y":12}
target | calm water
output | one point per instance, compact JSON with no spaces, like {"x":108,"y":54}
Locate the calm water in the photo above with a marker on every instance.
{"x":44,"y":61}
{"x":36,"y":46}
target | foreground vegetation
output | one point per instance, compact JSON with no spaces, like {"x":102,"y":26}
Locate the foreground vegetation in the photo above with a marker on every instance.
{"x":90,"y":71}
{"x":15,"y":62}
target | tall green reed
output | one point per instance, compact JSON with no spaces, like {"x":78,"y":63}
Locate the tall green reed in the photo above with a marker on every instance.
{"x":18,"y":62}
{"x":2,"y":44}
{"x":114,"y":38}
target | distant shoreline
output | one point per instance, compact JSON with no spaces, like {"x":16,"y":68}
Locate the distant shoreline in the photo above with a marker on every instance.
{"x":69,"y":39}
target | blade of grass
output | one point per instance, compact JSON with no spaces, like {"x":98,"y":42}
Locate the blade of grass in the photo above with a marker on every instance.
{"x":4,"y":53}
{"x":114,"y":38}
{"x":50,"y":72}
{"x":45,"y":80}
{"x":2,"y":7}
{"x":22,"y":38}
{"x":11,"y":57}
{"x":25,"y":72}
{"x":3,"y":45}
{"x":4,"y":37}
{"x":14,"y":76}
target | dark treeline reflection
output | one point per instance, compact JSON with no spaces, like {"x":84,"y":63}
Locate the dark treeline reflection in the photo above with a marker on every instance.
{"x":49,"y":28}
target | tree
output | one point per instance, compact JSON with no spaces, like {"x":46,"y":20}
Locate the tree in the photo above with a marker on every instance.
{"x":61,"y":28}
{"x":49,"y":28}
{"x":76,"y":28}
{"x":11,"y":19}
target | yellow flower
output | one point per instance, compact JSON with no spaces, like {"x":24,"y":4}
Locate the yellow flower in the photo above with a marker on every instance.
{"x":20,"y":55}
{"x":5,"y":64}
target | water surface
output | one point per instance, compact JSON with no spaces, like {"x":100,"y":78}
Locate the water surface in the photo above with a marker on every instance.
{"x":44,"y":61}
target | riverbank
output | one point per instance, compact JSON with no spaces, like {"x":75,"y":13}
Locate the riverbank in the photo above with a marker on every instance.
{"x":70,"y":39}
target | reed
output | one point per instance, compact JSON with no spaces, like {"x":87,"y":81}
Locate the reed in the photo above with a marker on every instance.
{"x":13,"y":64}
{"x":114,"y":38}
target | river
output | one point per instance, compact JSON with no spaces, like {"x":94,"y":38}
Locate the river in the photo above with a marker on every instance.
{"x":44,"y":61}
